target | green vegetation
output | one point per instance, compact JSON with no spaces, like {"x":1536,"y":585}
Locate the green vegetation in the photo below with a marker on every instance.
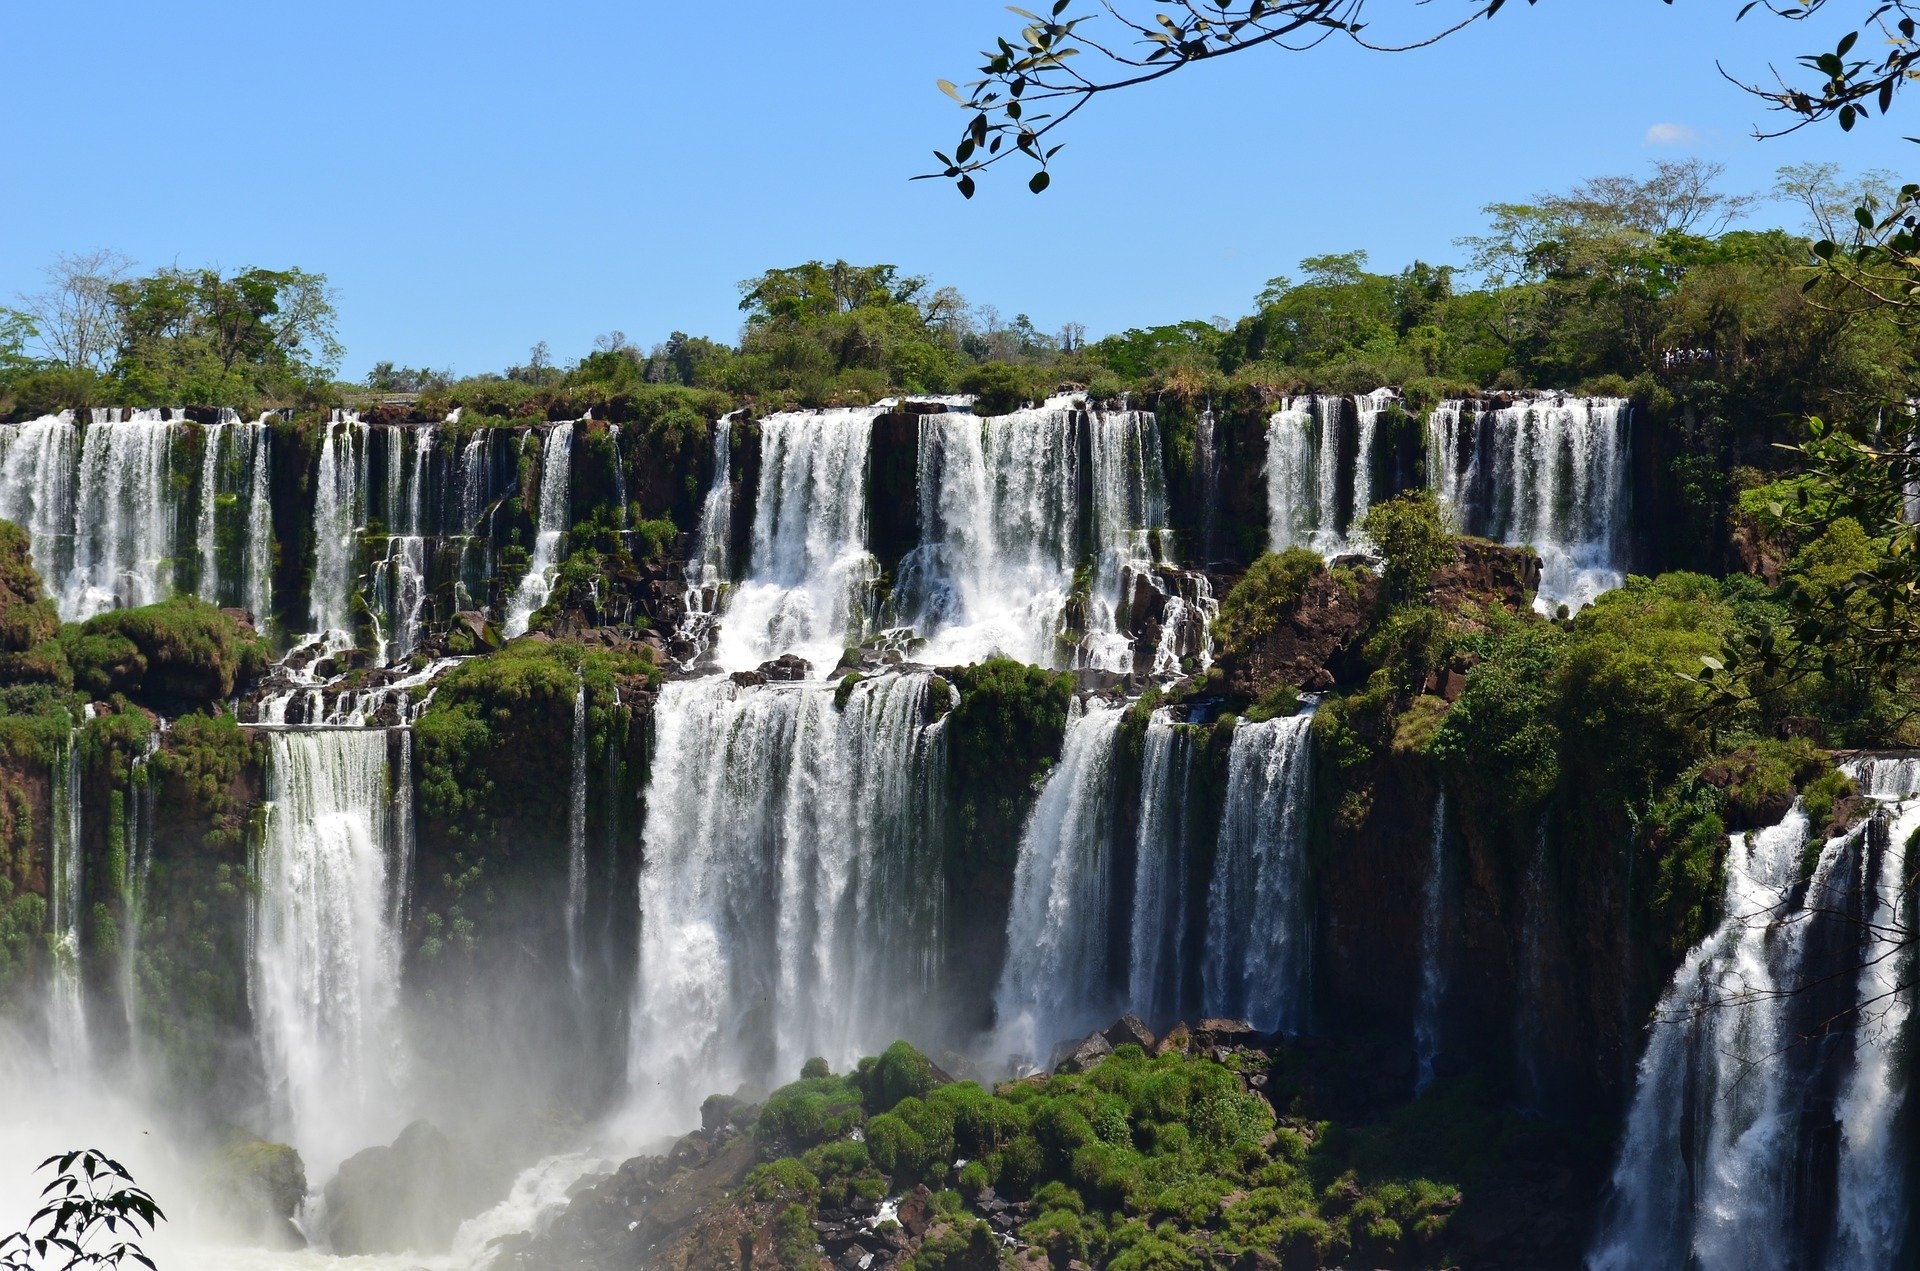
{"x":1271,"y":585}
{"x":1004,"y":734}
{"x":1143,"y":1161}
{"x":1412,"y":535}
{"x":179,"y":653}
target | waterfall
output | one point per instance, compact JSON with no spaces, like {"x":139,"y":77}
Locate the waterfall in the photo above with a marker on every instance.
{"x":1054,"y":985}
{"x":1257,"y":947}
{"x":1549,"y":472}
{"x":709,"y":566}
{"x":125,"y":518}
{"x":619,"y":473}
{"x":258,"y":595}
{"x":206,"y":539}
{"x":556,"y":478}
{"x":1713,"y":1169}
{"x":577,"y":842}
{"x":400,"y":582}
{"x":326,"y":960}
{"x":36,"y":491}
{"x":402,"y":830}
{"x":138,"y":832}
{"x":1303,"y":457}
{"x":806,"y":589}
{"x":338,"y":507}
{"x":1368,"y":407}
{"x":1305,"y":471}
{"x":791,"y":887}
{"x":67,"y":1032}
{"x":1426,"y":1018}
{"x":1207,"y":460}
{"x":1872,"y":1202}
{"x":1155,"y":974}
{"x":1000,"y":569}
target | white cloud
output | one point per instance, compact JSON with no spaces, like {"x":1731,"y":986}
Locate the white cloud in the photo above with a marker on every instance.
{"x":1671,"y":135}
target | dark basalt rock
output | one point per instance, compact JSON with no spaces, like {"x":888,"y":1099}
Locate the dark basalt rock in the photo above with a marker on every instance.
{"x":788,"y":668}
{"x":1082,"y":1055}
{"x":258,"y":1187}
{"x":1130,"y":1030}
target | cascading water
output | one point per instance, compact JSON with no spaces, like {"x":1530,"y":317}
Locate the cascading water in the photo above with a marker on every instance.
{"x":1426,"y":1018}
{"x":338,"y":509}
{"x":325,"y":975}
{"x":36,"y":490}
{"x":1714,"y":1169}
{"x":556,"y":494}
{"x":1313,"y":499}
{"x":400,"y":583}
{"x":1303,"y":473}
{"x":67,"y":1033}
{"x":1549,"y":472}
{"x":257,"y":598}
{"x":1155,"y":974}
{"x":1054,"y":985}
{"x":1005,"y":536}
{"x":576,"y":911}
{"x":709,"y":566}
{"x":791,"y":888}
{"x":205,"y":537}
{"x":807,"y":586}
{"x":1257,"y":947}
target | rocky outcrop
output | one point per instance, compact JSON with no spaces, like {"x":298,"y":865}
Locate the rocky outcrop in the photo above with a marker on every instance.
{"x":410,"y":1196}
{"x":1484,"y":573}
{"x":258,"y":1188}
{"x":1313,"y":644}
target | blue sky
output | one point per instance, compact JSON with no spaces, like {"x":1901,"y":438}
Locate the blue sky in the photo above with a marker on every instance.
{"x":476,"y":177}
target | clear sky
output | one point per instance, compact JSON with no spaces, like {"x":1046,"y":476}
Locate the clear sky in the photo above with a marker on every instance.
{"x":474,"y":177}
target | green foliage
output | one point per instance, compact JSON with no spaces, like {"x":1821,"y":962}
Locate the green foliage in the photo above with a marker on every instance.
{"x":1003,"y":735}
{"x":1412,"y":535}
{"x":1141,"y":1161}
{"x":1253,"y":608}
{"x":177,"y":654}
{"x":198,"y":335}
{"x":900,"y":1072}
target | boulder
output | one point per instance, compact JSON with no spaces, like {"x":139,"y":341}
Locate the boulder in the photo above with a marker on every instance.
{"x":788,"y":667}
{"x":258,"y":1187}
{"x":406,"y":1197}
{"x":1213,"y":1034}
{"x":1084,"y":1055}
{"x":1178,"y":1038}
{"x":1130,"y":1030}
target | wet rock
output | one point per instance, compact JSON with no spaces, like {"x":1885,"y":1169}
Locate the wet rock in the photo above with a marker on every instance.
{"x":788,"y":667}
{"x":748,"y":679}
{"x":258,"y":1187}
{"x":407,"y":1197}
{"x":1178,"y":1038}
{"x":916,"y":1211}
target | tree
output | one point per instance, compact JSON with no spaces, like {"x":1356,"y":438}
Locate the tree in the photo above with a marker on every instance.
{"x":76,"y":318}
{"x":200,"y":335}
{"x":1032,"y":84}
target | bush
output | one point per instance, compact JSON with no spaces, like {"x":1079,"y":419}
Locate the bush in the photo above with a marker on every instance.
{"x":1412,"y":535}
{"x":1253,"y":608}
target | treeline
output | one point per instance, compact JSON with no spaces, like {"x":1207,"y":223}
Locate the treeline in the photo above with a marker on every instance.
{"x":1620,"y":284}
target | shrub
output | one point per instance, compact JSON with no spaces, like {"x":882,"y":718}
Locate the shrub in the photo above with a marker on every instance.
{"x":1253,"y":608}
{"x":1412,"y":535}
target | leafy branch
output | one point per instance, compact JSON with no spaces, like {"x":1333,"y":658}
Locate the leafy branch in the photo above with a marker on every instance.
{"x":90,"y":1198}
{"x":1034,"y":83}
{"x":1847,"y":88}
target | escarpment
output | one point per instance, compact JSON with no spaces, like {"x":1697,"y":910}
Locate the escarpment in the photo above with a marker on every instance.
{"x":390,"y":785}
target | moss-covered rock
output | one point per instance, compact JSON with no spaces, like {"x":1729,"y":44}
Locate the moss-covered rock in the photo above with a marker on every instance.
{"x":175,"y":656}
